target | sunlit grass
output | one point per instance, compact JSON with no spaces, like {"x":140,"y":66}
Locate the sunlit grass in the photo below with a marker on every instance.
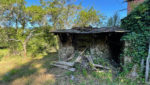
{"x":15,"y":69}
{"x":20,"y":70}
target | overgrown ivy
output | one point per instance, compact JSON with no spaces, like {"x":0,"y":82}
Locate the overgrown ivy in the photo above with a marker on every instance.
{"x":138,"y":22}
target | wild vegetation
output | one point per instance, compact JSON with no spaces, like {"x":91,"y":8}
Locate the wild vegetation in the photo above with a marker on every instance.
{"x":18,"y":70}
{"x":138,"y":40}
{"x":27,"y":48}
{"x":23,"y":26}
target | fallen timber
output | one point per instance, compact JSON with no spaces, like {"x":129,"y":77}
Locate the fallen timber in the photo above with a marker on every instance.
{"x":70,"y":65}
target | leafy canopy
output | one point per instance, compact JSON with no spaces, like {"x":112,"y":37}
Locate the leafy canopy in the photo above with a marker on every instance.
{"x":88,"y":17}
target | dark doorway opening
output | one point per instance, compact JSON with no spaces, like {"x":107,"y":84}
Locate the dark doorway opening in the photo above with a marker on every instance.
{"x":116,"y":47}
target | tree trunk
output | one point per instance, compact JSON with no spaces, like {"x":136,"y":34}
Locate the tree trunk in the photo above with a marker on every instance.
{"x":16,"y":25}
{"x":24,"y":48}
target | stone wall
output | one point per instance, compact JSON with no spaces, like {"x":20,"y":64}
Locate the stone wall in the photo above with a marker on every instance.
{"x":65,"y":52}
{"x":100,"y":50}
{"x":96,"y":44}
{"x":133,"y":4}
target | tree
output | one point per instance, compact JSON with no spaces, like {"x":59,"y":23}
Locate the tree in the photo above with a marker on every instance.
{"x":35,"y":15}
{"x":12,"y":13}
{"x":16,"y":16}
{"x":61,"y":13}
{"x":114,"y":21}
{"x":16,"y":19}
{"x":110,"y":22}
{"x":88,"y":17}
{"x":12,"y":16}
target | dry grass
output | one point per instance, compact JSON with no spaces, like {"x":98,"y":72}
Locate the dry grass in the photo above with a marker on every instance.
{"x":35,"y":79}
{"x":17,"y":70}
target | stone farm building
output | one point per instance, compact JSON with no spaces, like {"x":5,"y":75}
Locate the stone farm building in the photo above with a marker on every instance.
{"x":104,"y":42}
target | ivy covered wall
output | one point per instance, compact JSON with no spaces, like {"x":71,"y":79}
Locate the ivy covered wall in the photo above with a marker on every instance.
{"x":138,"y":22}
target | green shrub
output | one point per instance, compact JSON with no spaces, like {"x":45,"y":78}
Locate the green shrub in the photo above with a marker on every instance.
{"x":43,"y":42}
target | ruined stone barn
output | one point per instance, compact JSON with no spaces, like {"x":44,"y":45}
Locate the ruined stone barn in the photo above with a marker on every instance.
{"x":104,"y":42}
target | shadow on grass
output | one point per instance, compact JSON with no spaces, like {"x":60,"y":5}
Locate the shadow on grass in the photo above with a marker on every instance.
{"x":28,"y":68}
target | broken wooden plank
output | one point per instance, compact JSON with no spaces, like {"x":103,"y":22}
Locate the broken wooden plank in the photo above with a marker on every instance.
{"x":65,"y":63}
{"x":80,"y":56}
{"x":78,"y":59}
{"x":82,"y":52}
{"x":90,"y":59}
{"x":97,"y":65}
{"x":71,"y":57}
{"x":64,"y":67}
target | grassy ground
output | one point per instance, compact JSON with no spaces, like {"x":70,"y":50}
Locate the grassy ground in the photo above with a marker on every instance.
{"x":17,"y":70}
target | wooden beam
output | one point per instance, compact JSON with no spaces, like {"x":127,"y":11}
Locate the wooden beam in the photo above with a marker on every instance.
{"x":64,"y":67}
{"x":100,"y":66}
{"x":80,"y":56}
{"x":71,"y":57}
{"x":65,"y":63}
{"x":96,"y":65}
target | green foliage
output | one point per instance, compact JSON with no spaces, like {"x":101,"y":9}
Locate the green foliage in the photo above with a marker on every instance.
{"x":60,"y":13}
{"x":3,"y":36}
{"x":102,"y":75}
{"x":36,"y":14}
{"x":47,"y":41}
{"x":138,"y":23}
{"x":24,"y":26}
{"x":101,"y":61}
{"x":88,"y":17}
{"x":16,"y":18}
{"x":12,"y":13}
{"x":15,"y":40}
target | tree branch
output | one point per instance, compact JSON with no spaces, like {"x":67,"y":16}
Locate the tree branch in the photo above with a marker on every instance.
{"x":14,"y":40}
{"x":29,"y":36}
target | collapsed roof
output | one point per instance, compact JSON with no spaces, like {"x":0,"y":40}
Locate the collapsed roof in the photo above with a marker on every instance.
{"x":90,"y":30}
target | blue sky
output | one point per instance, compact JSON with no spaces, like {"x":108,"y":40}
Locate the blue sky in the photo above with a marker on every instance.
{"x":106,"y":7}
